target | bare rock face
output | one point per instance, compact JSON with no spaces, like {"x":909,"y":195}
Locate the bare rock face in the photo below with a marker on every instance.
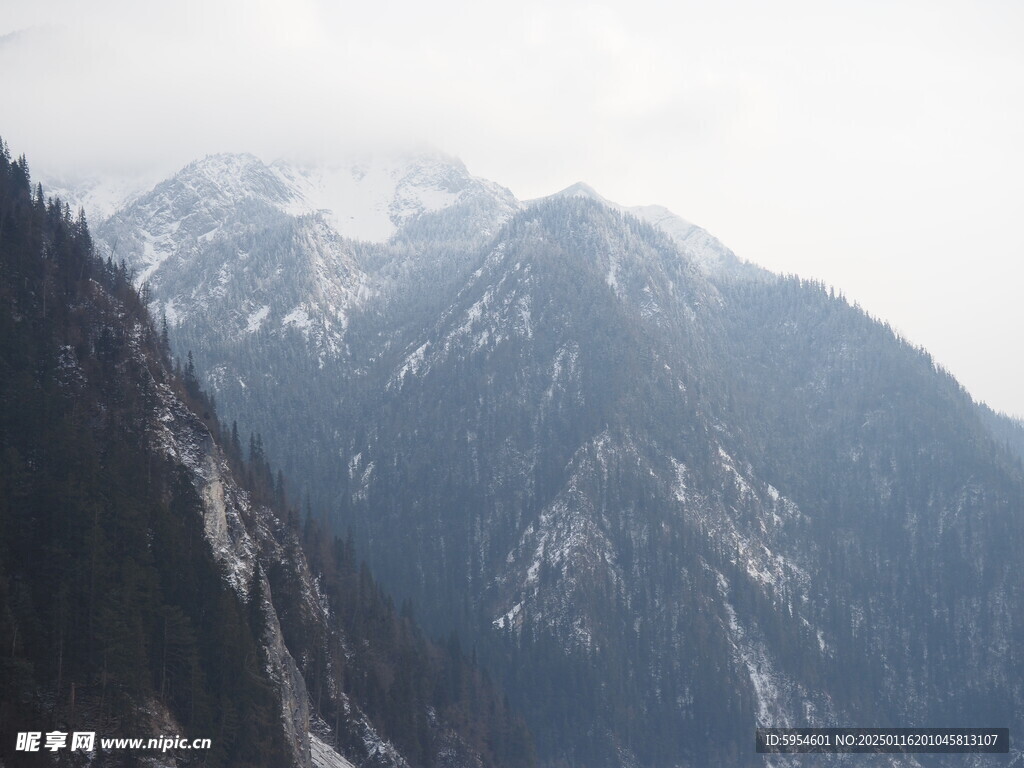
{"x":237,"y":534}
{"x":246,"y":539}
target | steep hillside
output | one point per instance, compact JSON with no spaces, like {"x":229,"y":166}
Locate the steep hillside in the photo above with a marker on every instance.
{"x":154,"y":583}
{"x":695,"y":504}
{"x":260,"y":252}
{"x":668,"y":495}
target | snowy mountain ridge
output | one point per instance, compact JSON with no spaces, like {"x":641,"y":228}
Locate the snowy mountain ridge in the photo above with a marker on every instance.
{"x":703,"y":248}
{"x":365,"y":197}
{"x":283,"y":247}
{"x":292,"y":249}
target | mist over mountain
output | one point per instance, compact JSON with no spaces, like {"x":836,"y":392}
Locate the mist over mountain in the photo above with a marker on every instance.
{"x":668,"y":496}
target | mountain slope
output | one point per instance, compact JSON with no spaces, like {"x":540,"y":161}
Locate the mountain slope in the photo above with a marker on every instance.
{"x":574,"y":487}
{"x":698,"y":245}
{"x":155,"y":582}
{"x":642,"y":474}
{"x":248,"y":248}
{"x":111,"y":476}
{"x":668,"y":500}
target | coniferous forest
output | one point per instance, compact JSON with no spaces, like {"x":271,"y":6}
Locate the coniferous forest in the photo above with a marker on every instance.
{"x":116,"y":616}
{"x":525,"y":483}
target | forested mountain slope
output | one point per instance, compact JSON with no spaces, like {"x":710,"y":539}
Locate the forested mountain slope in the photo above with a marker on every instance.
{"x":721,"y":502}
{"x":155,"y":583}
{"x":667,"y":500}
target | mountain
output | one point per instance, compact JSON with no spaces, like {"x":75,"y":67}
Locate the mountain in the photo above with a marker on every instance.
{"x":154,"y":582}
{"x":269,"y":249}
{"x":698,"y":245}
{"x":667,"y":495}
{"x":233,"y":243}
{"x":716,"y":500}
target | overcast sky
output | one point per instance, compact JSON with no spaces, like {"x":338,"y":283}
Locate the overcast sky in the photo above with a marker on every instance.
{"x":874,"y":145}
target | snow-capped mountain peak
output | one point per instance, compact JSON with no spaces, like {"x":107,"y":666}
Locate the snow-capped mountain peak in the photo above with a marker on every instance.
{"x":269,"y":248}
{"x":366,"y":197}
{"x":236,"y":176}
{"x":369,"y":197}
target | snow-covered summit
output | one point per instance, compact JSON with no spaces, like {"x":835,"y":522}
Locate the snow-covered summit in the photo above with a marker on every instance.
{"x":230,"y":177}
{"x":270,"y":248}
{"x":369,"y":197}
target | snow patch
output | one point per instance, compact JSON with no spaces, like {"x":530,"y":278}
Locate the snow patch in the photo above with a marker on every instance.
{"x":413,"y":363}
{"x":680,"y":485}
{"x":370,"y":197}
{"x":612,"y":277}
{"x":298,"y":317}
{"x":256,"y":319}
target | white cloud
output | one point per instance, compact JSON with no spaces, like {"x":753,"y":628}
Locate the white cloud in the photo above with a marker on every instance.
{"x":875,"y":145}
